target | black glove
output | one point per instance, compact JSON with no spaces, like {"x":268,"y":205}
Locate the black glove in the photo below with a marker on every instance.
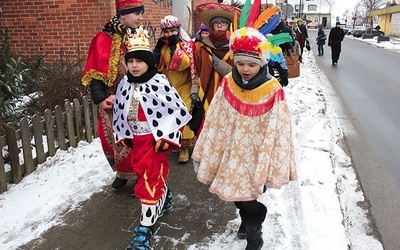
{"x":160,"y":42}
{"x":194,"y":96}
{"x":126,"y":143}
{"x":160,"y":145}
{"x":284,"y":81}
{"x":173,"y":40}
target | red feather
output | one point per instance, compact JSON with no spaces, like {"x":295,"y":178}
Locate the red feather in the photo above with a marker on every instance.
{"x":254,"y":13}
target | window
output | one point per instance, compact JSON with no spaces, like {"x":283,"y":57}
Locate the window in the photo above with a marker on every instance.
{"x":312,"y":7}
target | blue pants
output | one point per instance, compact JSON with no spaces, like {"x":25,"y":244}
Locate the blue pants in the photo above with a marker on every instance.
{"x":320,"y":49}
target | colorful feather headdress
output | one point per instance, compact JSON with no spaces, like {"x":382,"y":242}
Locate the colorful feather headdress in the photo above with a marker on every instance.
{"x":249,"y":41}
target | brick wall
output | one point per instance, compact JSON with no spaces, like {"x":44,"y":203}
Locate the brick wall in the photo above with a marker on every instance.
{"x":39,"y":27}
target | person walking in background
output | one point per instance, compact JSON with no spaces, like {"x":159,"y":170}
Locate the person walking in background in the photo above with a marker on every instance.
{"x":175,"y":59}
{"x":212,"y":57}
{"x":148,"y":116}
{"x":277,"y":66}
{"x":300,"y":37}
{"x":335,"y":39}
{"x":302,"y":28}
{"x":103,"y":71}
{"x":246,"y":142}
{"x":321,"y":37}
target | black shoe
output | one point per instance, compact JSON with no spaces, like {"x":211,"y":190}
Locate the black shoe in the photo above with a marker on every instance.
{"x":118,"y":183}
{"x":241,"y":234}
{"x":167,"y":204}
{"x":133,"y":189}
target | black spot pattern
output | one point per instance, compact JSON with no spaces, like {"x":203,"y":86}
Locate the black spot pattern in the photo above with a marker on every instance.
{"x":149,"y":111}
{"x":155,"y":123}
{"x":170,"y":111}
{"x":154,"y":88}
{"x":160,"y":133}
{"x":158,"y":115}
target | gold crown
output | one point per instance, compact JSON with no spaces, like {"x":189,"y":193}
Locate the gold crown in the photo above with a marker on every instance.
{"x":137,"y":41}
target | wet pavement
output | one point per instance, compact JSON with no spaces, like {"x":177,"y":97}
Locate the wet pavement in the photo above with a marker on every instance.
{"x":106,"y":221}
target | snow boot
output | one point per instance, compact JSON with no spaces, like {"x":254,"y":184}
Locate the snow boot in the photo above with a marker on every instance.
{"x":241,"y":234}
{"x":254,"y":238}
{"x":118,"y":183}
{"x":167,"y":204}
{"x":183,"y":155}
{"x":253,"y":225}
{"x":141,"y":238}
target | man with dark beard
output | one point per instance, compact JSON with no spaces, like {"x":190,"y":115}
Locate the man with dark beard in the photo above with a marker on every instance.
{"x":212,"y":58}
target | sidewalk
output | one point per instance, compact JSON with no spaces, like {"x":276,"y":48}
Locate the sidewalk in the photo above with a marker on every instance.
{"x":106,"y":220}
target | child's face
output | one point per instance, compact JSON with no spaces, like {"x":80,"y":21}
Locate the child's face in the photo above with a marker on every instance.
{"x":204,"y":34}
{"x":247,"y":69}
{"x":137,"y":67}
{"x":132,"y":20}
{"x":169,"y":32}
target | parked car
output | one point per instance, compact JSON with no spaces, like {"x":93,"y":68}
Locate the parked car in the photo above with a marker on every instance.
{"x":374,"y":32}
{"x":355,"y":29}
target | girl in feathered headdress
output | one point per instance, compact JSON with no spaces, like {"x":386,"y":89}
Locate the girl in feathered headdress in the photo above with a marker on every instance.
{"x":246,"y":142}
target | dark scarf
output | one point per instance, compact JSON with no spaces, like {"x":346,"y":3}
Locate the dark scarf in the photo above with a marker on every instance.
{"x":143,"y":78}
{"x":261,"y":77}
{"x":218,"y":38}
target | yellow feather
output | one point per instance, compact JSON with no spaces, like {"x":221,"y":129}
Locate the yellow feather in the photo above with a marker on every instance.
{"x":264,"y":16}
{"x":275,"y":50}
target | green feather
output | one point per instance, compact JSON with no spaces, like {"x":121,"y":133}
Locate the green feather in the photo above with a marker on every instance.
{"x":244,"y":14}
{"x":280,"y":38}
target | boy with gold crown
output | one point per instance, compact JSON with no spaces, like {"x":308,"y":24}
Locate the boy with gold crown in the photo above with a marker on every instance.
{"x":148,"y":116}
{"x":246,"y":142}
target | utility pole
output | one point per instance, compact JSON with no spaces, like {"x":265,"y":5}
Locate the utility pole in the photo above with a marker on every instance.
{"x":300,"y":10}
{"x":319,"y":15}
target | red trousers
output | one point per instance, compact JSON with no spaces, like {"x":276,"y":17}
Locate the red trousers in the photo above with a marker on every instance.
{"x":151,"y":169}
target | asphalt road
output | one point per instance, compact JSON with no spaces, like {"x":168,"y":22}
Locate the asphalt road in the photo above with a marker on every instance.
{"x":367,"y":92}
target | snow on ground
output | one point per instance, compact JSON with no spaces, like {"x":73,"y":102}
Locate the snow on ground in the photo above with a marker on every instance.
{"x":318,"y":211}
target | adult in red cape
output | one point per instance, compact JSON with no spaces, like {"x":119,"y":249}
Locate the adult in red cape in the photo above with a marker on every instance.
{"x":103,"y":71}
